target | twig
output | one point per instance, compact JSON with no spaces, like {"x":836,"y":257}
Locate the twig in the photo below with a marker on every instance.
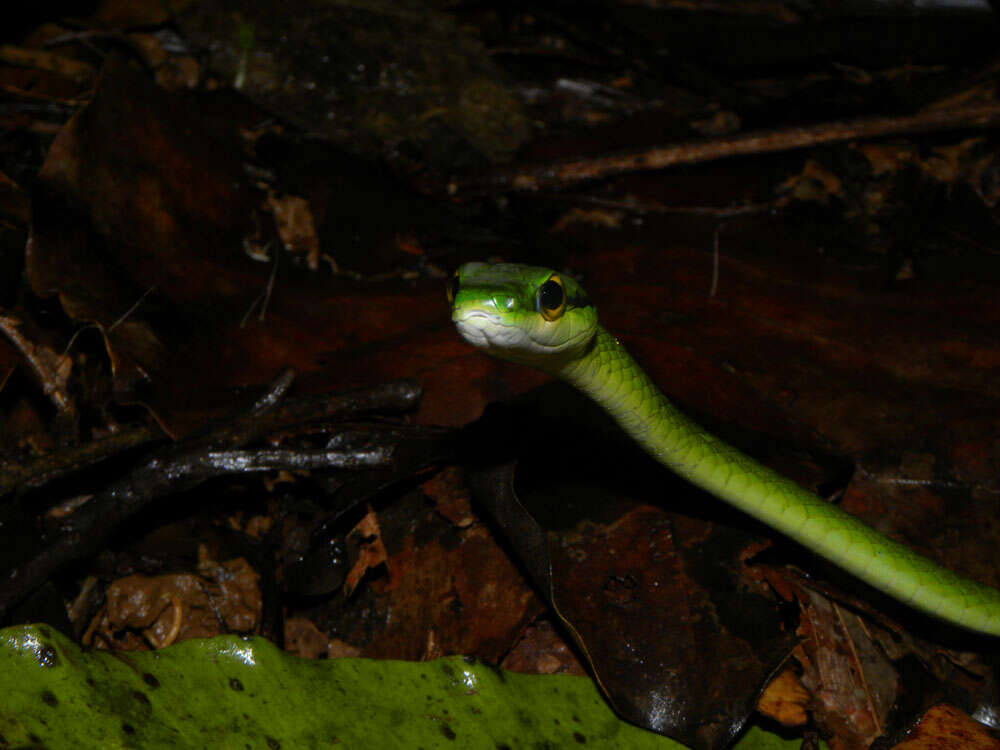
{"x":264,"y":297}
{"x":16,"y":474}
{"x":217,"y":463}
{"x":51,"y":370}
{"x":531,"y":178}
{"x":182,"y":466}
{"x":275,"y":394}
{"x":125,"y":315}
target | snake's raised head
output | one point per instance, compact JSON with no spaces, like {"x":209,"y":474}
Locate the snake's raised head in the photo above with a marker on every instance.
{"x":525,"y":314}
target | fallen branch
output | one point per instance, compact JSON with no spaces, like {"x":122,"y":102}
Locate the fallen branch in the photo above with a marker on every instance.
{"x":551,"y":175}
{"x":180,"y":466}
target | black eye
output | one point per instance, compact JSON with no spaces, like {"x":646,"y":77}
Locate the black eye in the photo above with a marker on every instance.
{"x":551,"y":298}
{"x":452,"y":288}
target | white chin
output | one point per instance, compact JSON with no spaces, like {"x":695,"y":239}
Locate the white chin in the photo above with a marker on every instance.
{"x":473,"y":334}
{"x":485,"y":332}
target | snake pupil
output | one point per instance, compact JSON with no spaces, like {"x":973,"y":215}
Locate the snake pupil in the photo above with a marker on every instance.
{"x":452,"y":290}
{"x":550,"y":295}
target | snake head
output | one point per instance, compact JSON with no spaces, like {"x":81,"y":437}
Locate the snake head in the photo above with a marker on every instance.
{"x":525,"y":314}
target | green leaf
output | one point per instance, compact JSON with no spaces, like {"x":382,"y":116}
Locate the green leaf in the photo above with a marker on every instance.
{"x":229,"y":692}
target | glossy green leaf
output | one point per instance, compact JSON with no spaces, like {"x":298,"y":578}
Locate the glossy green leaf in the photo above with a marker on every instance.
{"x":229,"y":692}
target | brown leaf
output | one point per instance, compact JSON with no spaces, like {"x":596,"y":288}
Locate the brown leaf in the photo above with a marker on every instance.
{"x":302,"y":637}
{"x":852,"y":682}
{"x":140,"y":224}
{"x":542,"y":650}
{"x":448,"y":591}
{"x":450,"y":493}
{"x":155,"y":611}
{"x":944,"y":726}
{"x":294,"y":222}
{"x":785,"y":700}
{"x":51,"y":369}
{"x":371,"y":550}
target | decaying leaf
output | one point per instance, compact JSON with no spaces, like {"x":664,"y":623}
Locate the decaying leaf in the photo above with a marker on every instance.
{"x":153,"y":612}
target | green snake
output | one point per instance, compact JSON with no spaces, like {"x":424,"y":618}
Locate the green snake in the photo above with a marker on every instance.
{"x":538,"y":317}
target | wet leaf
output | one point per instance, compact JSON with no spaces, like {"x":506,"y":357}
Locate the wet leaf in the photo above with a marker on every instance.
{"x":231,"y":692}
{"x":228,"y":692}
{"x":651,"y":597}
{"x":946,"y":726}
{"x":444,"y":590}
{"x":156,"y":611}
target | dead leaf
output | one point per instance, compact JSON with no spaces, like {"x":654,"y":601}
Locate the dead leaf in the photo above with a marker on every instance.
{"x":294,"y":221}
{"x":450,"y":493}
{"x":372,"y":550}
{"x":944,"y":726}
{"x":302,"y":637}
{"x":785,"y":700}
{"x":541,"y":650}
{"x":51,"y":369}
{"x":142,"y":612}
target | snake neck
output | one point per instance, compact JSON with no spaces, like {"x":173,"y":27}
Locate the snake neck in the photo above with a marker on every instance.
{"x":612,"y":378}
{"x":609,"y":376}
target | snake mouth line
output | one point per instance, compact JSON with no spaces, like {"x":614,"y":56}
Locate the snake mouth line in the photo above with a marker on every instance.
{"x":467,"y":315}
{"x":484,"y":330}
{"x":475,"y":327}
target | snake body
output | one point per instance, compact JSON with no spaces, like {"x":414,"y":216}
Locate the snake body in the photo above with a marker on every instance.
{"x":537,"y":317}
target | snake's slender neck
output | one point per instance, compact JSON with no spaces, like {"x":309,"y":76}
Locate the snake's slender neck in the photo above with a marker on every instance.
{"x":609,"y":375}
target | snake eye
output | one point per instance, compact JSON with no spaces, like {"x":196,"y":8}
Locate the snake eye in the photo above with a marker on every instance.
{"x":552,"y":298}
{"x":452,"y":289}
